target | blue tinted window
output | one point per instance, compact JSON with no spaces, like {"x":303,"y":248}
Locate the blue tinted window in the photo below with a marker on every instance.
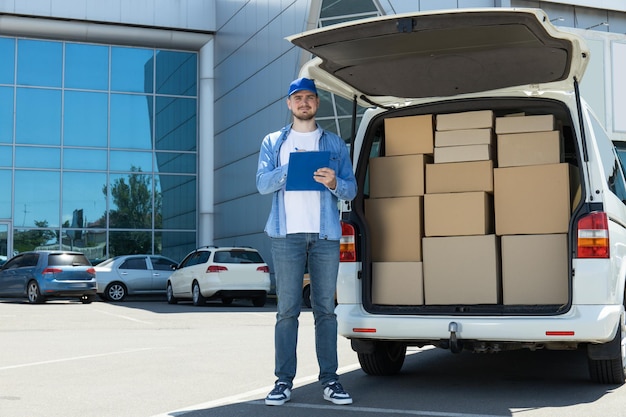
{"x":128,"y":160}
{"x":176,"y":73}
{"x":6,"y":114}
{"x":126,"y":212}
{"x":85,"y":119}
{"x":131,"y":121}
{"x":177,"y":194}
{"x":176,"y":163}
{"x":174,"y":245}
{"x":6,"y":157}
{"x":38,"y":116}
{"x":132,"y":70}
{"x":82,"y":193}
{"x":39,"y":63}
{"x":37,"y":195}
{"x":86,"y":66}
{"x":176,"y":124}
{"x":5,"y":201}
{"x":37,"y":157}
{"x":7,"y":57}
{"x":87,"y":159}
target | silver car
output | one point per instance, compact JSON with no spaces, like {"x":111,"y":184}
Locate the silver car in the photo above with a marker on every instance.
{"x":133,"y":275}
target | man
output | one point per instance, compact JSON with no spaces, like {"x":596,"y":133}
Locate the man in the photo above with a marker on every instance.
{"x":304,"y":228}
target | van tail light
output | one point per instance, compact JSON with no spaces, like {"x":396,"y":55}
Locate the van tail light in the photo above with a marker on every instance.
{"x":264,"y":269}
{"x":593,"y":236}
{"x":51,"y":271}
{"x":347,"y":244}
{"x":216,"y":268}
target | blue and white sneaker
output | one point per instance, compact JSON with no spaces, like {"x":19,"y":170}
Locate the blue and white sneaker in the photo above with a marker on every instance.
{"x":279,"y":395}
{"x":335,"y":393}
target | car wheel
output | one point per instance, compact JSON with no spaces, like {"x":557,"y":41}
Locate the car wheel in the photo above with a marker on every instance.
{"x":227,"y":301}
{"x":198,"y":298}
{"x":259,"y":301}
{"x":169,"y":293}
{"x":87,"y":299}
{"x":115,"y":291}
{"x":34,"y":294}
{"x":386,"y":359}
{"x":306,"y":296}
{"x":608,"y":364}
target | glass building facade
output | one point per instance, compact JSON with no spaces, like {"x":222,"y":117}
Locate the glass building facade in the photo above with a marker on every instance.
{"x":98,"y":148}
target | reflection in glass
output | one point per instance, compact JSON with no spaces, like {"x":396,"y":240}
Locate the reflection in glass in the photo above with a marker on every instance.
{"x":85,"y":119}
{"x":130,"y":204}
{"x":6,"y":157}
{"x":178,"y":193}
{"x":129,"y":242}
{"x":5,"y":201}
{"x":35,"y":239}
{"x":86,"y":66}
{"x":131,"y":70}
{"x":91,"y":242}
{"x":84,"y":204}
{"x":174,"y":245}
{"x":86,"y":159}
{"x":38,"y":116}
{"x":176,"y":163}
{"x":37,"y":195}
{"x":39,"y":63}
{"x":7,"y":57}
{"x":127,"y":160}
{"x":131,"y":121}
{"x":176,"y":73}
{"x":37,"y":157}
{"x":6,"y":114}
{"x":175,"y":124}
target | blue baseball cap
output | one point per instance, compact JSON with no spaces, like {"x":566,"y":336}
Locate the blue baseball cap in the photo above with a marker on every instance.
{"x":302,"y":84}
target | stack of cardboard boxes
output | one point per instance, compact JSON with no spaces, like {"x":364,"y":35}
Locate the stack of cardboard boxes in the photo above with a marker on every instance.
{"x":452,"y":224}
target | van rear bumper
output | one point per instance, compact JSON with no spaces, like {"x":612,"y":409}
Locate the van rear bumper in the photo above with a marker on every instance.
{"x":582,"y":323}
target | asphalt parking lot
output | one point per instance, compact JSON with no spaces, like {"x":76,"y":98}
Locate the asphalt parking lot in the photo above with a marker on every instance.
{"x":145,"y":358}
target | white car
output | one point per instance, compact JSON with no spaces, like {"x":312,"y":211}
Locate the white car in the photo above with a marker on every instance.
{"x":126,"y":275}
{"x":418,"y":268}
{"x":223,"y":273}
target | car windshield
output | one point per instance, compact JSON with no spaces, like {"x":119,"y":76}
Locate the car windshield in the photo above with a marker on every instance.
{"x":67,"y":259}
{"x":238,"y":257}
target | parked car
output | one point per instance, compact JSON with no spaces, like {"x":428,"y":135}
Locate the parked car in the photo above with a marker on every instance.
{"x":133,"y":275}
{"x":223,"y":273}
{"x":39,"y":275}
{"x":417,"y":267}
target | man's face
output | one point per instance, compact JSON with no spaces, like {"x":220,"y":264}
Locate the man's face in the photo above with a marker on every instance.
{"x":303,"y":104}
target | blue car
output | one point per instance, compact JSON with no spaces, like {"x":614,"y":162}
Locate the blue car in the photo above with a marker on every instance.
{"x":39,"y":275}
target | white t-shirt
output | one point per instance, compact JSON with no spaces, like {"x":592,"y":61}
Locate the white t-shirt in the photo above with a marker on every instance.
{"x":302,"y":207}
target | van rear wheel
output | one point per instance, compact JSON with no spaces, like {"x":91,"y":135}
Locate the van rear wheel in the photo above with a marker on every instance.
{"x":607,"y":362}
{"x":386,"y":358}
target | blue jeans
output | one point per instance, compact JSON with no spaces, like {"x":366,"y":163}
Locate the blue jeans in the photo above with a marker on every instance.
{"x":290,"y":257}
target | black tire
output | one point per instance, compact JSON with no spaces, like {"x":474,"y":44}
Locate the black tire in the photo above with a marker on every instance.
{"x":612,"y":368}
{"x":227,"y":301}
{"x":34,"y":294}
{"x":169,"y":294}
{"x":387,"y":359}
{"x":259,"y":301}
{"x":197,"y":297}
{"x":115,"y":291}
{"x":87,"y":298}
{"x":306,"y":296}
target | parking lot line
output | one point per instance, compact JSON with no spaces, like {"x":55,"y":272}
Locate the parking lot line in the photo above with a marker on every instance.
{"x":124,"y":317}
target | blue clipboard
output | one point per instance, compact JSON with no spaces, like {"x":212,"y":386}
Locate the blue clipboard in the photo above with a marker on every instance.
{"x":302,"y":165}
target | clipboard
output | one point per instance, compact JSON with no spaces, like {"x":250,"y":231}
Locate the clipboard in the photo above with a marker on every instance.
{"x":302,"y":165}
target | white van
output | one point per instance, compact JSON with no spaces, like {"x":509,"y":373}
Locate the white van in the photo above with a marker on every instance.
{"x":490,"y":214}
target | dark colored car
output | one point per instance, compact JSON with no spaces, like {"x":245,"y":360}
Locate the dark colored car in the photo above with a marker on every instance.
{"x":39,"y":275}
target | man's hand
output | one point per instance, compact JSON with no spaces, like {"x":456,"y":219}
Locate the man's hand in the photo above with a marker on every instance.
{"x":326,"y":176}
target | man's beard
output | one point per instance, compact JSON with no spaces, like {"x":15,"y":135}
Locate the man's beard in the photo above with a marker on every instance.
{"x":304,"y":118}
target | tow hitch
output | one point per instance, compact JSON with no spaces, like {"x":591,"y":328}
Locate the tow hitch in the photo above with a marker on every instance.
{"x":456,"y":345}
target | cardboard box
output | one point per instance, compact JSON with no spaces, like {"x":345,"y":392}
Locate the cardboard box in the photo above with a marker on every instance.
{"x":397,"y":283}
{"x":458,"y":214}
{"x":535,"y":269}
{"x":409,"y":135}
{"x":536,"y":148}
{"x":461,"y":270}
{"x":521,"y":124}
{"x":463,"y":153}
{"x":458,"y":177}
{"x":465,"y":120}
{"x":535,"y":199}
{"x":464,"y":137}
{"x":396,"y":228}
{"x":398,"y":176}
